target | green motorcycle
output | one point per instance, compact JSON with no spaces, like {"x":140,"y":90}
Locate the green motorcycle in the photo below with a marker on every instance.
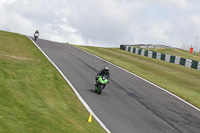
{"x":100,"y":84}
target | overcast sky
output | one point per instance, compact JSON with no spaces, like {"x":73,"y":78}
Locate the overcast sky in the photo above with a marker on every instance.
{"x":105,"y":22}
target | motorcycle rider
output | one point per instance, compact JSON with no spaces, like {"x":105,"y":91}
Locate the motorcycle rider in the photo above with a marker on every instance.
{"x":36,"y":34}
{"x":103,"y":72}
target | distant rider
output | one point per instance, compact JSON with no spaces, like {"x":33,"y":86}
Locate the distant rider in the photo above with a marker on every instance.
{"x":36,"y":34}
{"x":102,"y":72}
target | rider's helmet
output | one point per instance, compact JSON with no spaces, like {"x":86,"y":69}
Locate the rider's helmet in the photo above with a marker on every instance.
{"x":106,"y":69}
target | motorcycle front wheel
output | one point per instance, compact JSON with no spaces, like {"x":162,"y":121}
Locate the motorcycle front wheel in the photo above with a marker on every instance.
{"x":99,"y":89}
{"x":35,"y":38}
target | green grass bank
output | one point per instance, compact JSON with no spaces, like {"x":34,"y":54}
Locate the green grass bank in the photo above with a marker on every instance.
{"x":182,"y":81}
{"x":34,"y":98}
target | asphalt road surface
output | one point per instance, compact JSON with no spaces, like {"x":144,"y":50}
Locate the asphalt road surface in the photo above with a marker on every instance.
{"x":127,"y":104}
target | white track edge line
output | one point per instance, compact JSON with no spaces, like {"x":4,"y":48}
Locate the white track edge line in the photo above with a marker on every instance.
{"x":143,"y":79}
{"x":75,"y":91}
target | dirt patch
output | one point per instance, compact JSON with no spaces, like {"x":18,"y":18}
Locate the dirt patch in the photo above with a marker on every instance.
{"x":35,"y":113}
{"x":17,"y":57}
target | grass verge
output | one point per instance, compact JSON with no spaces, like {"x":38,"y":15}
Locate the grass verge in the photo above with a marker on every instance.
{"x":33,"y":95}
{"x":180,"y":80}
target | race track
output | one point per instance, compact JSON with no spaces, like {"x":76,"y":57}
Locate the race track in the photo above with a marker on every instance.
{"x":128,"y":104}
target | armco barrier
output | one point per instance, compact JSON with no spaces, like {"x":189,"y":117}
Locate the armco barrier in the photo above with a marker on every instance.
{"x":165,"y":57}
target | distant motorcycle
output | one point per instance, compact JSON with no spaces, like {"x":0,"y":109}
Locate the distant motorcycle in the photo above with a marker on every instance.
{"x":101,"y":83}
{"x":36,"y":35}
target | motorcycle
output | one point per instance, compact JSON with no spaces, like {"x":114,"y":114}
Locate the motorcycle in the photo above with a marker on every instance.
{"x":101,"y":83}
{"x":36,"y":36}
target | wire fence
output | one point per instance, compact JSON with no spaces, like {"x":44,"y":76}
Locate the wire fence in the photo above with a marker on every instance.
{"x":191,"y":49}
{"x":148,"y":46}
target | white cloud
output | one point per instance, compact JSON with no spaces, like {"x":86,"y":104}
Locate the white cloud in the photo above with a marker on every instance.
{"x":67,"y":28}
{"x":104,"y":22}
{"x":195,"y":19}
{"x":170,"y":3}
{"x":6,"y":1}
{"x":159,"y":32}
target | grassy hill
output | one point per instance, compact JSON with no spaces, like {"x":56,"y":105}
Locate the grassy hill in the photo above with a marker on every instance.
{"x":33,"y":95}
{"x":180,"y":80}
